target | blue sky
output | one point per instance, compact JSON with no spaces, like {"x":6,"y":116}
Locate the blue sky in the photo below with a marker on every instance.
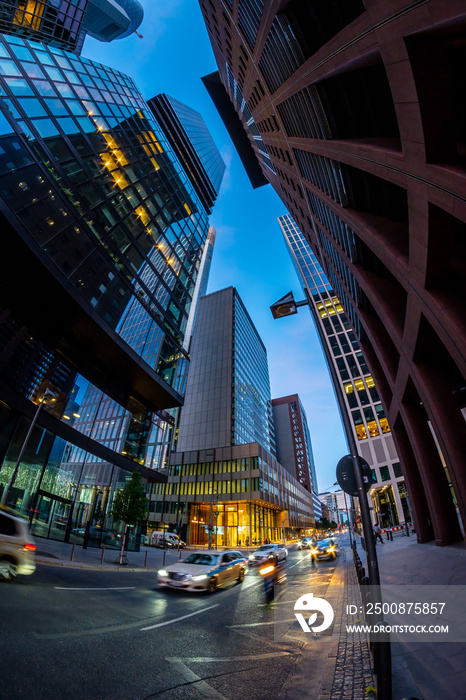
{"x":250,"y":253}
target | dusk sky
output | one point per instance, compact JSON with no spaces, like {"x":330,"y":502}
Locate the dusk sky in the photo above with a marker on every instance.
{"x":250,"y":253}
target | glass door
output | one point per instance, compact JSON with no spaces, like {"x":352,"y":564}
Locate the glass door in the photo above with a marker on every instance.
{"x":50,"y":517}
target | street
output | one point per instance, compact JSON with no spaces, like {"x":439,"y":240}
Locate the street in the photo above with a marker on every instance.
{"x":76,"y":633}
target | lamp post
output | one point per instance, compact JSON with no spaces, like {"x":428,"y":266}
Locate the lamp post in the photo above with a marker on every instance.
{"x":6,"y":494}
{"x":287,"y":306}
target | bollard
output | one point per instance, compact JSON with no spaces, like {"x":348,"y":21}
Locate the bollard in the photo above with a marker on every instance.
{"x":164,"y":554}
{"x":407,"y":530}
{"x":179,"y":555}
{"x":391,"y":536}
{"x":145,"y":560}
{"x":102,"y":556}
{"x":72,"y":551}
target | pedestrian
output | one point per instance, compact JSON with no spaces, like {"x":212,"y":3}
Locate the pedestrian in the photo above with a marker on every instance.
{"x":377,"y":533}
{"x":247,"y":541}
{"x":239,"y":543}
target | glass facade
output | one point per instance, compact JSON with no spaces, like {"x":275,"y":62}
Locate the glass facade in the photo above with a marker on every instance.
{"x":99,"y":190}
{"x":94,"y":193}
{"x":202,"y":141}
{"x":251,"y":400}
{"x":56,"y":22}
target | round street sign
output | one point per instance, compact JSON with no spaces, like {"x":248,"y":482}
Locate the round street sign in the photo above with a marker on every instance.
{"x":346,"y":478}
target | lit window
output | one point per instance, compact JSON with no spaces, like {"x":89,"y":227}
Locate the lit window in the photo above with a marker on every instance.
{"x":361,"y":432}
{"x":384,"y":425}
{"x":373,"y":429}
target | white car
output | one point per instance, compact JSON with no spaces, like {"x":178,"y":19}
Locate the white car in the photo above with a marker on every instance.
{"x":204,"y":571}
{"x":266,"y":551}
{"x":17,"y":547}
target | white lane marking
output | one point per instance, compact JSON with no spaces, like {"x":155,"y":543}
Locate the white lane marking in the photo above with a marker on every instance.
{"x":177,"y":619}
{"x":300,"y":561}
{"x":189,"y":676}
{"x":260,"y":624}
{"x":226,"y":659}
{"x":120,"y":588}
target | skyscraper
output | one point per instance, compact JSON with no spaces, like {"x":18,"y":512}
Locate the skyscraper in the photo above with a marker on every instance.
{"x":224,"y":471}
{"x":367,"y":416}
{"x":355,"y":115}
{"x":228,"y":392}
{"x":65,"y":23}
{"x":294,"y":447}
{"x":190,"y":138}
{"x":103,"y":238}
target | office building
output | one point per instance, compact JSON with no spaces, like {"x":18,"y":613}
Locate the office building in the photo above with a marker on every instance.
{"x":293,"y":440}
{"x":388,"y":496}
{"x":228,"y":390}
{"x":190,"y":138}
{"x":224,"y":471}
{"x":355,"y":115}
{"x":65,"y":23}
{"x":103,"y":238}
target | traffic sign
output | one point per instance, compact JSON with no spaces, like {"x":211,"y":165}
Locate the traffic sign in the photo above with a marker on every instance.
{"x":346,"y":478}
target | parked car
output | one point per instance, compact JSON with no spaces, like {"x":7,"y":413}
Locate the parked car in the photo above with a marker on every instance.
{"x":167,"y":539}
{"x":17,"y":547}
{"x":98,"y":535}
{"x":204,"y":571}
{"x":325,"y":549}
{"x":266,"y":551}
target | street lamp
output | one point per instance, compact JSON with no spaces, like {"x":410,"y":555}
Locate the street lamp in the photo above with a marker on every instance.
{"x":6,"y":494}
{"x":287,"y":306}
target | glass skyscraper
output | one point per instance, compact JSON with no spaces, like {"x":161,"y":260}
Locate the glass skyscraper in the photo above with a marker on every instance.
{"x":228,"y":392}
{"x":363,"y":405}
{"x":103,"y":239}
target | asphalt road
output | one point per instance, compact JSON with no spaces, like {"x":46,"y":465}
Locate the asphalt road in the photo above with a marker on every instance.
{"x":91,"y":635}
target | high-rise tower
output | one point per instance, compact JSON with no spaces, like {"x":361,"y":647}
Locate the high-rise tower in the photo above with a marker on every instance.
{"x":362,"y":402}
{"x":354,"y":113}
{"x":106,"y":232}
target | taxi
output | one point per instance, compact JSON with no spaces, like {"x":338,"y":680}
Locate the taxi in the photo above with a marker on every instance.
{"x":204,"y":571}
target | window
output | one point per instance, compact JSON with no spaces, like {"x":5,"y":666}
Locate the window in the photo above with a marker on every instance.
{"x":359,"y":424}
{"x":384,"y":474}
{"x":350,"y":395}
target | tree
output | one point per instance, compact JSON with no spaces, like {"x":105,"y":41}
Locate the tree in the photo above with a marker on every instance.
{"x":130,"y":505}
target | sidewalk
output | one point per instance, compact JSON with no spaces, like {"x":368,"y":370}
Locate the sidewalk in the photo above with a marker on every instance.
{"x":56,"y":553}
{"x":424,"y":670}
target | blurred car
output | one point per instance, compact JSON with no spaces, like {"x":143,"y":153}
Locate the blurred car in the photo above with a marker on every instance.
{"x":267,"y":551}
{"x":17,"y":547}
{"x":204,"y":571}
{"x":99,"y":535}
{"x":305,"y":543}
{"x":325,"y":549}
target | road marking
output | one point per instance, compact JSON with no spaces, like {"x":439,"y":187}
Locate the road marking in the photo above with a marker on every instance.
{"x":300,"y":561}
{"x":177,"y":619}
{"x":201,"y":686}
{"x":120,"y":588}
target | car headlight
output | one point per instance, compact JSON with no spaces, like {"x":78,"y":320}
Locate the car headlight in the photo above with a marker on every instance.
{"x":314,"y":551}
{"x":201,"y":577}
{"x":330,"y":549}
{"x":251,"y":556}
{"x":162,"y":572}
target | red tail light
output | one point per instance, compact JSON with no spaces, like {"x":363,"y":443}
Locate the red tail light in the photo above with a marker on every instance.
{"x":30,"y":547}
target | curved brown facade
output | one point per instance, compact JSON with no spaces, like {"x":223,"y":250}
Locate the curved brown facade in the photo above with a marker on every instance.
{"x":357,"y":115}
